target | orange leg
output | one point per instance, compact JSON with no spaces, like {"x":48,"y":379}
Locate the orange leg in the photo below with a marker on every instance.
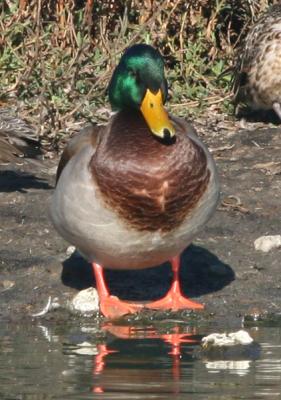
{"x":174,"y":300}
{"x":113,"y":307}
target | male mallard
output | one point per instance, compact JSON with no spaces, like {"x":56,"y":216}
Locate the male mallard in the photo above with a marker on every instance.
{"x":257,"y":80}
{"x":17,"y":138}
{"x":134,"y":193}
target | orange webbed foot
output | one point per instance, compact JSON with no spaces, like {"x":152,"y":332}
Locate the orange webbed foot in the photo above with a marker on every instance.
{"x":112,"y":307}
{"x":174,"y":302}
{"x":174,"y":299}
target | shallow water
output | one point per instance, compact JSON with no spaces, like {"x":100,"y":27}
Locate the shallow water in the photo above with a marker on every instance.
{"x":83,"y":360}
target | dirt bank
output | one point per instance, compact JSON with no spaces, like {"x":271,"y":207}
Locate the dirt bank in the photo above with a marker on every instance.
{"x":221,"y":268}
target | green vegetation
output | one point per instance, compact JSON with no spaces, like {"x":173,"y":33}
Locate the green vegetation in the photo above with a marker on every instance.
{"x":56,"y":57}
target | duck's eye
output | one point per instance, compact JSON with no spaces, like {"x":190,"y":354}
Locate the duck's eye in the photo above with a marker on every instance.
{"x":134,"y":74}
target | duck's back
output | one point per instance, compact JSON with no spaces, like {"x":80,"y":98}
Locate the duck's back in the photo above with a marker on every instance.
{"x":258,"y":74}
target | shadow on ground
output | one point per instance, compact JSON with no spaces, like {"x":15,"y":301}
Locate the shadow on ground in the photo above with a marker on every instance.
{"x":265,"y":116}
{"x":201,"y":273}
{"x":11,"y":181}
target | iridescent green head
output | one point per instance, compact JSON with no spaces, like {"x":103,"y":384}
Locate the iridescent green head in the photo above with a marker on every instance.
{"x":139,"y":82}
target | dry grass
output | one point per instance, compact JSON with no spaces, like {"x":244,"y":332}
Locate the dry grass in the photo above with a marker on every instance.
{"x":56,"y":56}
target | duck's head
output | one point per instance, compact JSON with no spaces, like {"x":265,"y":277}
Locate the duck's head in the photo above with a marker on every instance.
{"x":139,"y":83}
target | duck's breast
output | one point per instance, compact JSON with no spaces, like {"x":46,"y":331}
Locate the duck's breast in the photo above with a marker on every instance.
{"x":137,"y":220}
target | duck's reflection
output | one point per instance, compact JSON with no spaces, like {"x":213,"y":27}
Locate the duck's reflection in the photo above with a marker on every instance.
{"x":175,"y":337}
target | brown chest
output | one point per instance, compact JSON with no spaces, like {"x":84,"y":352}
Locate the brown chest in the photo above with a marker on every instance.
{"x":151,"y":185}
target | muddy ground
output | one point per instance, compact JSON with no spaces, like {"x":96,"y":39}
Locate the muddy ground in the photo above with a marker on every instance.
{"x":221,"y":269}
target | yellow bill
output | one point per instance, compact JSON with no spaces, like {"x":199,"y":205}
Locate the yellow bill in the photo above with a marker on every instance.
{"x":156,"y":116}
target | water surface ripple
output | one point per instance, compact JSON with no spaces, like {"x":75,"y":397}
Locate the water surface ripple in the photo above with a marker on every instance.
{"x":82,"y":361}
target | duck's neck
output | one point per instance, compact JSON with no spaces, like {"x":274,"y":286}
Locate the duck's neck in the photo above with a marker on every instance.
{"x":151,"y":185}
{"x":129,"y":134}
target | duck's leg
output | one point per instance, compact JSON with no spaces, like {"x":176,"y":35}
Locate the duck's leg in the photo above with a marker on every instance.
{"x":111,"y":306}
{"x":174,"y":300}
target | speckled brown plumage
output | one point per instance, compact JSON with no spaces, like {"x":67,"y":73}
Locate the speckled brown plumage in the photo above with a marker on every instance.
{"x":257,"y":80}
{"x":158,"y":184}
{"x":17,"y":138}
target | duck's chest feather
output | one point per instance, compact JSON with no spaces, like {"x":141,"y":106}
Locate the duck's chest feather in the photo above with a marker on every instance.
{"x":151,"y":185}
{"x":132,"y":202}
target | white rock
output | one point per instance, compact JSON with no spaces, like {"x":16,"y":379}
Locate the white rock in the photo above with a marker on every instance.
{"x":70,"y":250}
{"x":241,"y":337}
{"x":267,"y":243}
{"x":224,"y":339}
{"x":86,"y":301}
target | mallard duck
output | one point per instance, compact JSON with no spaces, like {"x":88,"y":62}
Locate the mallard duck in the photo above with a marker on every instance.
{"x":134,"y":193}
{"x":17,"y":138}
{"x":257,"y":78}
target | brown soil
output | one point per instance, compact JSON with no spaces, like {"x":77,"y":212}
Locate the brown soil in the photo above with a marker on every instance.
{"x":221,"y":269}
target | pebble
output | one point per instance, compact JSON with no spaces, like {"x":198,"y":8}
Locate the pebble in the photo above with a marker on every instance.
{"x":6,"y":284}
{"x":267,"y":243}
{"x":86,"y":301}
{"x":233,"y":346}
{"x":70,"y":250}
{"x":224,"y":339}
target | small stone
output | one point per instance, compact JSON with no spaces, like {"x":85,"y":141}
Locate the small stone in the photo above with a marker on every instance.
{"x":267,"y":243}
{"x":70,"y":250}
{"x":233,"y":346}
{"x":6,"y":284}
{"x":230,"y":339}
{"x":86,"y":301}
